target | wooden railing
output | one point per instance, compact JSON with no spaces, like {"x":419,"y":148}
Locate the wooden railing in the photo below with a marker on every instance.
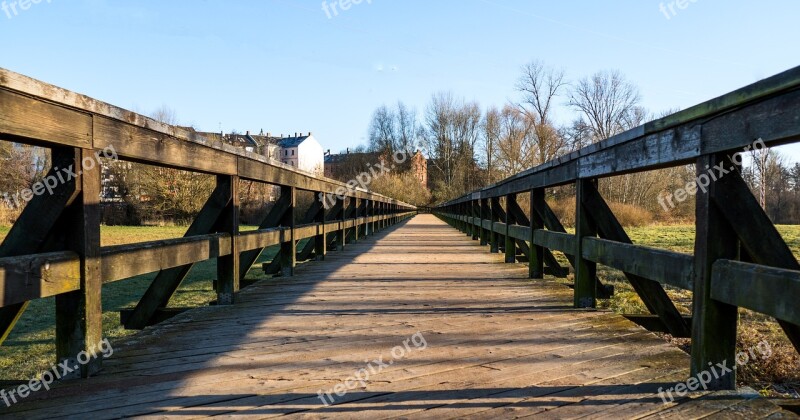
{"x":740,"y":259}
{"x":54,"y":247}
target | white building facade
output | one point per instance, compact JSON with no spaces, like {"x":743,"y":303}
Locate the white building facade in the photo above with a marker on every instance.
{"x":302,"y":152}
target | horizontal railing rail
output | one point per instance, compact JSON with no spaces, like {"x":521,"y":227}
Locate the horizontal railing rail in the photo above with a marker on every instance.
{"x":730,"y":223}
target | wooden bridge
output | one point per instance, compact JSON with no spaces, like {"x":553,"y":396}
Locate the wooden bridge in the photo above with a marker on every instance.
{"x":494,"y":344}
{"x":409,"y":317}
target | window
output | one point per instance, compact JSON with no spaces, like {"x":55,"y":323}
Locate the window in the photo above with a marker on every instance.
{"x":292,"y":152}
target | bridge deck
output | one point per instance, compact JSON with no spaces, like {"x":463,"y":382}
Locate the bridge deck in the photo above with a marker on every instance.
{"x":491,"y":344}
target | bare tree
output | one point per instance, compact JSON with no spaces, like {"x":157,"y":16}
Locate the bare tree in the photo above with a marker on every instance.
{"x":382,"y":130}
{"x":394,"y":130}
{"x":516,"y":143}
{"x":607,"y":101}
{"x":540,"y":85}
{"x":491,"y":136}
{"x":453,"y":128}
{"x":408,"y":130}
{"x":766,"y":169}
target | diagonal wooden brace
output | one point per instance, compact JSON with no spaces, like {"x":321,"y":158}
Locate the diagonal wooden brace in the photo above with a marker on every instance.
{"x":167,"y":281}
{"x":651,"y":292}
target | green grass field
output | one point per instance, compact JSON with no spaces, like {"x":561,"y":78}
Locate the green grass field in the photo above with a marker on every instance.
{"x":30,"y":348}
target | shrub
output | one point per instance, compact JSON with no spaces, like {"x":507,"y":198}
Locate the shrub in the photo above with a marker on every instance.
{"x":628,"y":215}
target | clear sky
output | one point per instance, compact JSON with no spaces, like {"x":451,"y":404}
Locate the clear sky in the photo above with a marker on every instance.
{"x":287,"y":66}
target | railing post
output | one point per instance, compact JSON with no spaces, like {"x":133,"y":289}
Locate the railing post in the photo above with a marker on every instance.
{"x":467,"y":210}
{"x":510,"y":245}
{"x":228,"y":266}
{"x":367,"y":216}
{"x":79,"y":314}
{"x":585,"y":270}
{"x":494,"y":237}
{"x":288,"y":253}
{"x":362,"y":214}
{"x":713,"y":323}
{"x":536,"y":254}
{"x":476,"y":214}
{"x":378,"y":210}
{"x":356,"y":212}
{"x":341,"y":234}
{"x":384,"y":213}
{"x":320,"y":244}
{"x":485,"y":215}
{"x":374,"y":224}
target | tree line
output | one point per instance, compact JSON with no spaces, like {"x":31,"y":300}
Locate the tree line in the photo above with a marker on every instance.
{"x":470,"y":147}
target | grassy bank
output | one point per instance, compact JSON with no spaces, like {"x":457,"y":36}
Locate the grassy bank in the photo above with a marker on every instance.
{"x":30,"y":349}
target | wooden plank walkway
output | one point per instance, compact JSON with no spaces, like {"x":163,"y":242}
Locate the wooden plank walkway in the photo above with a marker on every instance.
{"x":481,"y":341}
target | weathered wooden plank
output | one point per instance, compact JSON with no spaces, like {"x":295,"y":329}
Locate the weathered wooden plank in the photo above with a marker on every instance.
{"x":772,"y":120}
{"x":768,"y":290}
{"x":288,"y":253}
{"x":713,"y":322}
{"x":161,"y":255}
{"x":782,"y":82}
{"x":38,"y":276}
{"x":659,"y":265}
{"x":228,"y":276}
{"x":536,"y":253}
{"x":585,"y":227}
{"x":145,"y":145}
{"x":23,"y":118}
{"x":557,"y":241}
{"x":522,"y":233}
{"x":262,"y":238}
{"x":79,"y":314}
{"x":664,"y":149}
{"x":319,"y":242}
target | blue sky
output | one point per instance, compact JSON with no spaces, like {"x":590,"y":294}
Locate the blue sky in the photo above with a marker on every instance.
{"x":285,"y":66}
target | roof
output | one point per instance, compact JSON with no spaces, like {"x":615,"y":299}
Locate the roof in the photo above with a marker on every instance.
{"x":340,"y":157}
{"x":292,"y":141}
